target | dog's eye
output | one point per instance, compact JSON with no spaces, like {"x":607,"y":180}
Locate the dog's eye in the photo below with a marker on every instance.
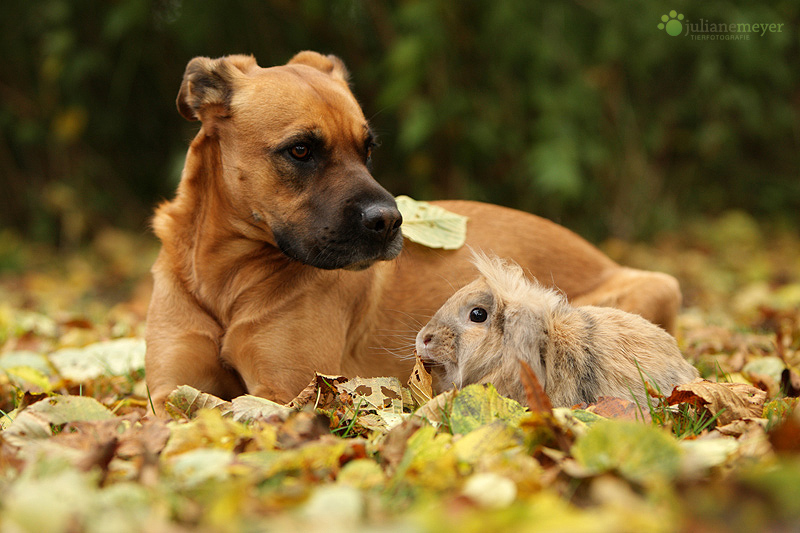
{"x":300,"y":151}
{"x":478,"y":314}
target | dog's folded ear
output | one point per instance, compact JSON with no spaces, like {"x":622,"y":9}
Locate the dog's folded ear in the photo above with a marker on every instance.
{"x":329,"y":64}
{"x":207,"y":84}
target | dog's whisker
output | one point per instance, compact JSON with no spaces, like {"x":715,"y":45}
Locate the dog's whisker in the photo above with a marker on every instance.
{"x":410,"y":316}
{"x":452,"y":286}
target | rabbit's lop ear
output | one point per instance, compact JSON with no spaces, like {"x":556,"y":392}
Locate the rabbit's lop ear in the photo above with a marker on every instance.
{"x":525,"y":337}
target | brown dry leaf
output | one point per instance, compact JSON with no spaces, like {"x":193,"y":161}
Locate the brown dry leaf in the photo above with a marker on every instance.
{"x":320,"y":393}
{"x":302,"y":427}
{"x":135,"y":434}
{"x":393,"y":446}
{"x":538,"y":401}
{"x":737,"y":428}
{"x":383,"y":394}
{"x":732,"y":401}
{"x":612,"y":407}
{"x":420,"y":382}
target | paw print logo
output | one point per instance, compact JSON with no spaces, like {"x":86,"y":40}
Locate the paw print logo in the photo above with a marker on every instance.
{"x":672,"y":23}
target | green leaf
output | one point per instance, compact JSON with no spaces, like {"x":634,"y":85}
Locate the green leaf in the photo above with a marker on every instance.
{"x":480,"y":404}
{"x":641,"y":453}
{"x":431,"y":225}
{"x":36,"y":421}
{"x":62,"y":409}
{"x":486,"y":441}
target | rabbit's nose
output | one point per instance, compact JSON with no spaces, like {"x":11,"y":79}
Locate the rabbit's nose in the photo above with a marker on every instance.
{"x":427,"y":339}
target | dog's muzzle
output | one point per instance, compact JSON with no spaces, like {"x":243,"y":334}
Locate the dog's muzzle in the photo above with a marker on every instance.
{"x":366,"y":232}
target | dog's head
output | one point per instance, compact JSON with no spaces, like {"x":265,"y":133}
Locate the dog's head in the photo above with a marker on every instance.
{"x":294,"y":157}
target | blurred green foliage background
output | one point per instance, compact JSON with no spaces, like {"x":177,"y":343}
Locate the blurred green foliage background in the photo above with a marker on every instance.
{"x":581,"y":111}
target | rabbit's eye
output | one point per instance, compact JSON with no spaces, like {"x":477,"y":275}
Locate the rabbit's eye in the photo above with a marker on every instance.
{"x":478,"y":314}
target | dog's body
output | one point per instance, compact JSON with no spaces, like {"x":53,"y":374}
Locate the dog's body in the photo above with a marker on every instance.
{"x":279,"y":253}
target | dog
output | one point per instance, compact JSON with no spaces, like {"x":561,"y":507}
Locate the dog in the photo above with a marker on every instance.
{"x":578,"y":354}
{"x":281,"y":255}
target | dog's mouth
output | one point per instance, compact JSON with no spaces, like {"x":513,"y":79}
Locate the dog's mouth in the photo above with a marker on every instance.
{"x":347,"y":253}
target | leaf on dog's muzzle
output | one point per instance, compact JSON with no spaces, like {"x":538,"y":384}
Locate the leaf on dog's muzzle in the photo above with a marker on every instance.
{"x":431,"y":225}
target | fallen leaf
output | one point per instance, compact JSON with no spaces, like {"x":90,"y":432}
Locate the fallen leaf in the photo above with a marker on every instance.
{"x":318,"y":459}
{"x":538,"y":401}
{"x":302,"y":427}
{"x":420,"y":382}
{"x":341,"y":504}
{"x":320,"y":393}
{"x":479,"y":404}
{"x":437,"y":410}
{"x":731,"y":401}
{"x":785,"y":437}
{"x":208,"y":429}
{"x":37,"y":420}
{"x":490,"y":490}
{"x":431,"y":225}
{"x":769,"y":366}
{"x":26,"y":358}
{"x":640,"y":452}
{"x":363,"y":474}
{"x":429,"y":461}
{"x":117,"y":357}
{"x":611,"y":407}
{"x":393,"y":445}
{"x":25,"y":377}
{"x":382,"y":394}
{"x":247,"y":408}
{"x":486,"y":441}
{"x":195,"y":467}
{"x":702,"y":454}
{"x":185,"y":402}
{"x":737,"y":428}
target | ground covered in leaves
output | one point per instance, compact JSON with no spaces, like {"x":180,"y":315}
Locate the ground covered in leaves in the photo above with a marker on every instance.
{"x":79,"y":452}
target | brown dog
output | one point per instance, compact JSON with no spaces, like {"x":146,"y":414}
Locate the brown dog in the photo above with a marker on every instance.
{"x":280,"y":251}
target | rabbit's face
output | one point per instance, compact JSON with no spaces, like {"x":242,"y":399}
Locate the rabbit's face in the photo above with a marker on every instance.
{"x":464,"y":336}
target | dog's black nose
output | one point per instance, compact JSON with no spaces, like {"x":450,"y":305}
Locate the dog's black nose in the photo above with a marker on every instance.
{"x":382,"y":219}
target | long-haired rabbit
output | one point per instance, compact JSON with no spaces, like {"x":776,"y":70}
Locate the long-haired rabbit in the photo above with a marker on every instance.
{"x":577,"y":353}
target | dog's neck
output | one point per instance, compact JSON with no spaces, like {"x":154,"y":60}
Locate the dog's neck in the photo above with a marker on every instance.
{"x":222,"y":255}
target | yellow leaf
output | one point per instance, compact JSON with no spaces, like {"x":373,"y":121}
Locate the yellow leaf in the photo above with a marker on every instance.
{"x":431,"y":225}
{"x":22,"y":375}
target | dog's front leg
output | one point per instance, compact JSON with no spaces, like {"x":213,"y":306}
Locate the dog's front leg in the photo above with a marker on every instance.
{"x":183,"y":347}
{"x":277,"y":357}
